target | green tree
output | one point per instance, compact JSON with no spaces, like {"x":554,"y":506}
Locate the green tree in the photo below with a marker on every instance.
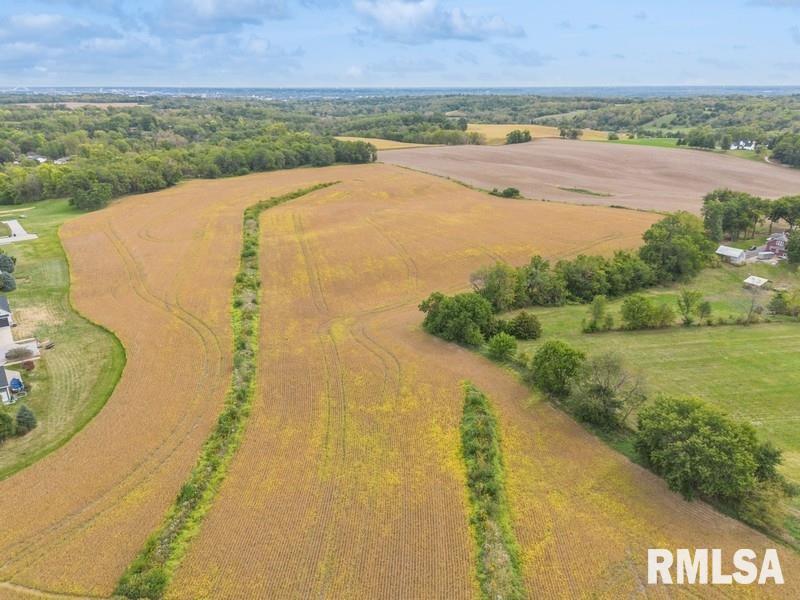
{"x":525,"y":326}
{"x":26,"y":420}
{"x":599,"y":320}
{"x":498,"y":284}
{"x":554,"y":366}
{"x":637,"y":312}
{"x":6,"y":426}
{"x":7,"y":263}
{"x":502,"y":346}
{"x":604,"y":393}
{"x":688,"y":305}
{"x":463,"y":318}
{"x":676,"y":247}
{"x":793,"y":249}
{"x":539,"y":286}
{"x":7,"y":282}
{"x":95,"y":196}
{"x":700,"y":451}
{"x":584,"y":277}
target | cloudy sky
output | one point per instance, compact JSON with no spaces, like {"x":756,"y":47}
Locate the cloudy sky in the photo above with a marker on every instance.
{"x":399,"y":42}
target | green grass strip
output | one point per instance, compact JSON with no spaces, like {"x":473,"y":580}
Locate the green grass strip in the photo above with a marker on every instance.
{"x":150,"y":572}
{"x":499,"y":572}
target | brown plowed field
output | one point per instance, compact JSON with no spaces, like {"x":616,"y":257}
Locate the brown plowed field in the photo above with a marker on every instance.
{"x":665,"y":179}
{"x":349,"y":484}
{"x":158,"y":270}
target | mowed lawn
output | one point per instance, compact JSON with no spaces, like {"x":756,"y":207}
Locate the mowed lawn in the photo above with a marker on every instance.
{"x":752,"y":372}
{"x":72,"y":381}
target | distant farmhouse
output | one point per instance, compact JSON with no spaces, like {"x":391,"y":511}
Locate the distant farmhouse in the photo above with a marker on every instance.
{"x":744,"y":145}
{"x":776,"y":243}
{"x":13,"y":352}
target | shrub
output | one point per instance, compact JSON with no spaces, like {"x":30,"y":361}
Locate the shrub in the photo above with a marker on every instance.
{"x":26,"y":420}
{"x":525,"y":326}
{"x":509,"y":192}
{"x":639,"y":312}
{"x":553,"y":367}
{"x":502,"y":346}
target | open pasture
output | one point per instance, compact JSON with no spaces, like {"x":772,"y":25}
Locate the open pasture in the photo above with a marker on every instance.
{"x":349,"y":483}
{"x":639,"y":177}
{"x":156,"y":269}
{"x":496,"y":133}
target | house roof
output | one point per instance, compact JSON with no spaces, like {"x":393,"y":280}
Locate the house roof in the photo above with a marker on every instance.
{"x":4,"y":306}
{"x":756,"y":281}
{"x":3,"y":379}
{"x":730,"y":252}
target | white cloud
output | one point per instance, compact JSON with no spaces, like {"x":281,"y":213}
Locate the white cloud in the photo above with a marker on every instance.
{"x":417,"y":21}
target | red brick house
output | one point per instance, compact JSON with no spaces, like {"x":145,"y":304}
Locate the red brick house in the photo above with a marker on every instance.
{"x":776,"y":243}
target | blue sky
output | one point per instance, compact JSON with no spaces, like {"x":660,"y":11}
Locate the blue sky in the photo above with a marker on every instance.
{"x":308,"y":43}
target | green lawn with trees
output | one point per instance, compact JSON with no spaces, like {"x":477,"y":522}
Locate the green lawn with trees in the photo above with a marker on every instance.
{"x":749,"y":371}
{"x":73,"y":380}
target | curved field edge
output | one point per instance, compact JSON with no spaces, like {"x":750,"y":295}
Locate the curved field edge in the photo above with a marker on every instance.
{"x":106,"y":381}
{"x":150,"y":572}
{"x":498,"y":564}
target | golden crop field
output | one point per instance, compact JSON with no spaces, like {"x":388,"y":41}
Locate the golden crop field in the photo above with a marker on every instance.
{"x":496,"y":134}
{"x":158,"y":270}
{"x":381,"y":144}
{"x":349,"y":482}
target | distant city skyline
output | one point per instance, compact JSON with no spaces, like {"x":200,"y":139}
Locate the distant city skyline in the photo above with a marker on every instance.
{"x":399,"y":43}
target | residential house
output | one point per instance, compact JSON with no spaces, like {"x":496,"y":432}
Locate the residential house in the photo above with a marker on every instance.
{"x":744,"y":145}
{"x":11,"y":386}
{"x":776,"y":243}
{"x":735,"y":256}
{"x":6,"y":322}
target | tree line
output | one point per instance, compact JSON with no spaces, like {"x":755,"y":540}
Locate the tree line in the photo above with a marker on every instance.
{"x":738,"y":214}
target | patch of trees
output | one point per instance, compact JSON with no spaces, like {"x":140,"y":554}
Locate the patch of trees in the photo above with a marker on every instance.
{"x":732,"y":214}
{"x":786,"y":149}
{"x":518,"y":136}
{"x":701,"y":137}
{"x":570,"y":133}
{"x":8,"y":265}
{"x":100,"y":173}
{"x":18,"y":425}
{"x":415,"y":127}
{"x":700,"y":452}
{"x":509,"y":192}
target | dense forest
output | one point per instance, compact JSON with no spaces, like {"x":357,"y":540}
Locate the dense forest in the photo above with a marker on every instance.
{"x":58,"y":147}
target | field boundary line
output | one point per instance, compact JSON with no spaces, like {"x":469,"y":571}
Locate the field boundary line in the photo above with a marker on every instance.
{"x":151,"y":571}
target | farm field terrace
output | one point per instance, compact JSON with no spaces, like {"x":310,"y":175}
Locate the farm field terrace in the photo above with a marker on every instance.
{"x":381,"y":144}
{"x":349,"y":482}
{"x":751,"y":372}
{"x":633,"y":176}
{"x":157,"y":270}
{"x":72,"y":381}
{"x":496,"y":134}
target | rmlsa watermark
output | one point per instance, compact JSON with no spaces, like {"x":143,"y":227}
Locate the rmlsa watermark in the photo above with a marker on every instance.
{"x":704,"y":566}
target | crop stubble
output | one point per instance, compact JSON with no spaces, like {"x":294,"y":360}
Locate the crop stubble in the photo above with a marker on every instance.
{"x":348,"y":482}
{"x":158,"y":270}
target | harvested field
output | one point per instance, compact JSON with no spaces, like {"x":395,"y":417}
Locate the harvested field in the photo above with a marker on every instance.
{"x":381,"y":144}
{"x":157,"y":269}
{"x":349,"y":483}
{"x":633,"y":176}
{"x":496,"y":134}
